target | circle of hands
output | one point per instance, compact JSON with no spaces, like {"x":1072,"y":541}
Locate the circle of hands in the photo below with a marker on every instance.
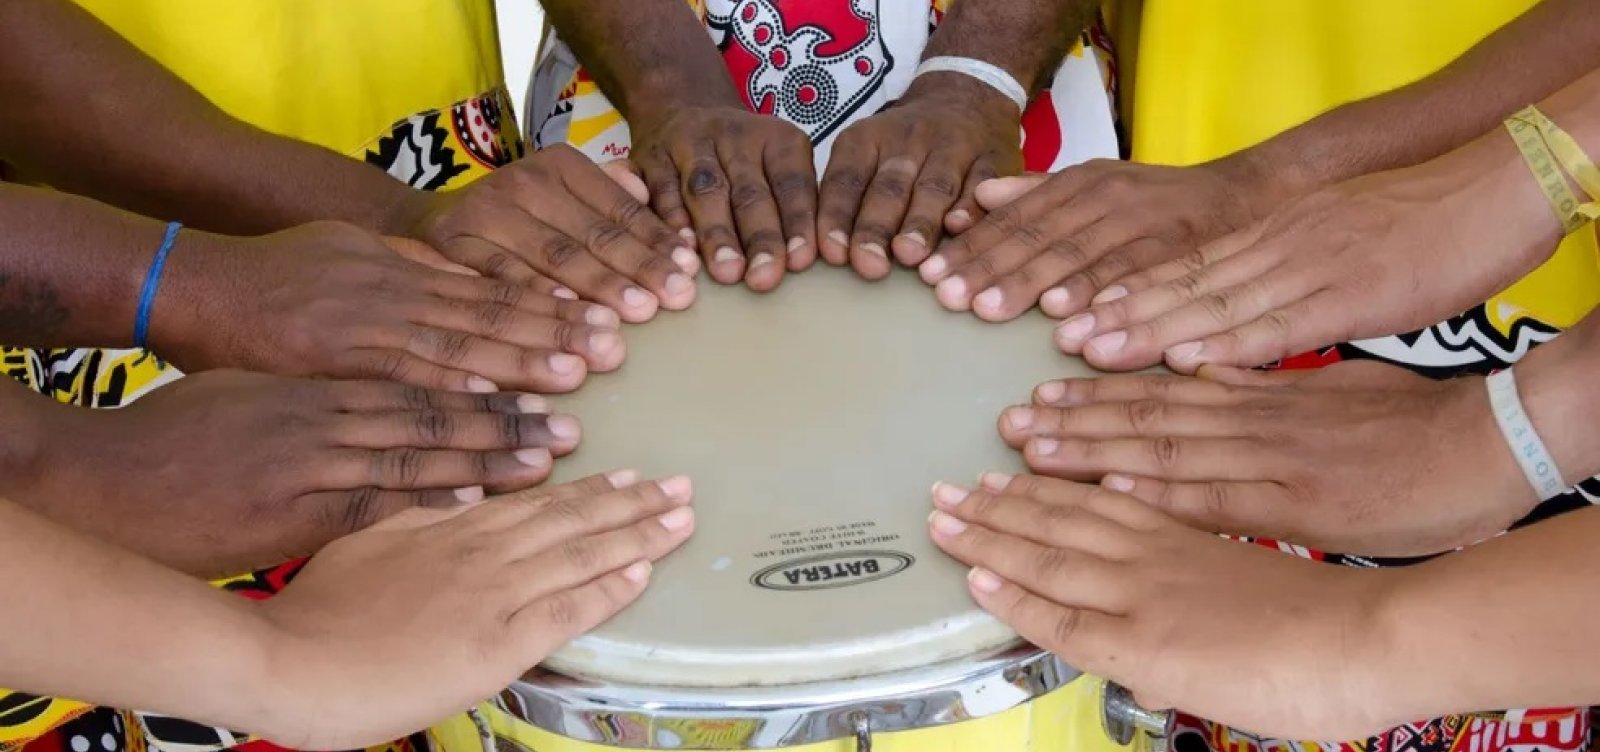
{"x":519,"y":284}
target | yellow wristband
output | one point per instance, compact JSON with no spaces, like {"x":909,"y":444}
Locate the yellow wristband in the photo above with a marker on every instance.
{"x":1552,"y":181}
{"x":1567,"y":151}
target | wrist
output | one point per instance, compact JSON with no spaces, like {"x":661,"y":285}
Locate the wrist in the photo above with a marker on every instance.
{"x":662,"y":93}
{"x":1262,"y":180}
{"x":1552,"y":382}
{"x":197,"y":276}
{"x":961,"y":93}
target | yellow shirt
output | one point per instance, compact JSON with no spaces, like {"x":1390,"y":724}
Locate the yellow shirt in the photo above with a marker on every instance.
{"x":413,"y":87}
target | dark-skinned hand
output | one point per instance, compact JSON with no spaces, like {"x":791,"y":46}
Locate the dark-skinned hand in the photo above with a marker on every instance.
{"x":558,"y":224}
{"x":900,"y":180}
{"x":225,"y":471}
{"x":739,"y":184}
{"x":332,"y":300}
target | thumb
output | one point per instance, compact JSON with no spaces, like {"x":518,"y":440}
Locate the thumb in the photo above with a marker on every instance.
{"x":997,"y":192}
{"x":627,"y":175}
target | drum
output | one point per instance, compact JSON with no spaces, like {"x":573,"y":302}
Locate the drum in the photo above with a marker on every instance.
{"x":809,"y":611}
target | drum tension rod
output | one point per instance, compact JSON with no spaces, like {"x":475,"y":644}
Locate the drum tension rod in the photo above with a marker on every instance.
{"x":863,"y":728}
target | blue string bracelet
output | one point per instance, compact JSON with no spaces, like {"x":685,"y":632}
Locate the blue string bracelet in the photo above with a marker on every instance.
{"x":152,"y":282}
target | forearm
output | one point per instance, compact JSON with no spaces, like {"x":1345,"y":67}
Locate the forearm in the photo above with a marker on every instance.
{"x":1525,"y":61}
{"x":1028,"y":38}
{"x":71,"y":269}
{"x":648,"y":56}
{"x":107,"y":121}
{"x":1506,"y":624}
{"x":173,"y":645}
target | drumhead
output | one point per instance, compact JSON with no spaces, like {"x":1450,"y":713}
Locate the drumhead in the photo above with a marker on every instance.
{"x":813,"y":421}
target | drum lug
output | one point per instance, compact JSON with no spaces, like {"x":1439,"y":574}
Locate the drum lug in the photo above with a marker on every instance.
{"x":1124,"y":719}
{"x":861,"y":724}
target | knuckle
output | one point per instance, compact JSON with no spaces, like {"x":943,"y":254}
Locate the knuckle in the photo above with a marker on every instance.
{"x":494,"y":319}
{"x":580,"y":554}
{"x":561,"y":611}
{"x":561,"y":250}
{"x":572,"y":513}
{"x":418,"y":398}
{"x":789,"y":186}
{"x":1214,"y":498}
{"x":938,"y":185}
{"x":1048,"y":562}
{"x":498,"y":264}
{"x":706,"y":180}
{"x":506,"y":295}
{"x":510,"y":429}
{"x":433,"y":428}
{"x":764,"y":239}
{"x":747,"y":196}
{"x":1065,"y":627}
{"x":603,"y":235}
{"x":1145,"y":416}
{"x":1219,"y":306}
{"x":452,"y":347}
{"x":891,"y":185}
{"x":1165,"y":450}
{"x":872,"y":230}
{"x":628,"y":212}
{"x":359,"y":510}
{"x":847,"y":179}
{"x":399,"y":466}
{"x":392,"y":366}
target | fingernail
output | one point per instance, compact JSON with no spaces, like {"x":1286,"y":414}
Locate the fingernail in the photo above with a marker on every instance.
{"x":1108,"y":344}
{"x":564,"y":427}
{"x":470,"y":494}
{"x":932,"y":269}
{"x":1051,"y":392}
{"x":481,"y":385}
{"x":1043,"y":447}
{"x":634,"y":297}
{"x":686,"y":259}
{"x":916,"y":237}
{"x":532,"y":403}
{"x":952,"y":292}
{"x":945,"y":524}
{"x":533,"y":457}
{"x":995,"y":481}
{"x":563,"y":364}
{"x":604,"y":341}
{"x":678,"y":284}
{"x":564,"y":293}
{"x":796,"y":243}
{"x":1118,"y":483}
{"x":1019,"y":418}
{"x":760,"y":260}
{"x":1111,"y":293}
{"x":676,"y":519}
{"x":838,"y":237}
{"x":602,"y":316}
{"x":989,"y":300}
{"x":687,"y":234}
{"x":1055,"y":300}
{"x":1077,"y":327}
{"x":948,"y":494}
{"x":983,"y":580}
{"x":622,"y":478}
{"x":725,"y":255}
{"x":959,"y":217}
{"x":1185,"y":351}
{"x":874,"y":249}
{"x":676,"y":487}
{"x":638,"y":573}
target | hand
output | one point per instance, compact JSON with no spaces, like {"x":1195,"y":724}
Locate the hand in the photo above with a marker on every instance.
{"x":332,"y":300}
{"x":1056,"y":240}
{"x":1236,"y":633}
{"x":1356,"y":457}
{"x":224,"y":471}
{"x":742,"y":184}
{"x":556,"y":223}
{"x":468,"y":598}
{"x":1385,"y":253}
{"x":899,"y":179}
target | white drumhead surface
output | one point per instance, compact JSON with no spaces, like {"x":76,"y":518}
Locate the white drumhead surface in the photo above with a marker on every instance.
{"x":813,"y":421}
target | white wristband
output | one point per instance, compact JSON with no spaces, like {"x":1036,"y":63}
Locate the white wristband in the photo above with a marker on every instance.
{"x":996,"y":77}
{"x":1537,"y":464}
